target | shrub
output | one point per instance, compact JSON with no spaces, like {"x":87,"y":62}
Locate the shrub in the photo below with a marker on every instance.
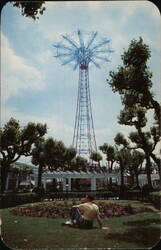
{"x":155,"y":198}
{"x":38,"y":190}
{"x":146,"y":188}
{"x":137,"y":188}
{"x":14,"y":199}
{"x":78,"y":195}
{"x":113,"y":187}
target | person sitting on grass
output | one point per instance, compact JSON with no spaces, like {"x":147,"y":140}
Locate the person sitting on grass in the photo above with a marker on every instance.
{"x":83,"y":215}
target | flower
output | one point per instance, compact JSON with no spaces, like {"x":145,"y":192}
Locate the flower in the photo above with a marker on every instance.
{"x":59,"y":210}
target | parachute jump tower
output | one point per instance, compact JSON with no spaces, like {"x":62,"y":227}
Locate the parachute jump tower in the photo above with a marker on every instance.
{"x":79,"y":50}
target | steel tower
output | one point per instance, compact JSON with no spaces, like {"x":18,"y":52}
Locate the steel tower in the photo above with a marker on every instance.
{"x":81,"y":48}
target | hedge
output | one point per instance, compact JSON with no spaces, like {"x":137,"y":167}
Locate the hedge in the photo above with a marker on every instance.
{"x":78,"y":195}
{"x":14,"y":199}
{"x":155,"y":198}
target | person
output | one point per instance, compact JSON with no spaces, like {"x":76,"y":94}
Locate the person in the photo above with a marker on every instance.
{"x":84,"y":214}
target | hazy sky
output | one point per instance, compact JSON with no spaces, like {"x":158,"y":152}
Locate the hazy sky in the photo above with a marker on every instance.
{"x":36,"y":87}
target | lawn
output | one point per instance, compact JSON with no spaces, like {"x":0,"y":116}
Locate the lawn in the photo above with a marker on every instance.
{"x":141,"y":230}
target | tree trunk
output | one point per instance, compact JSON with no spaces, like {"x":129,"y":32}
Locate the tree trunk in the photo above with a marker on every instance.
{"x":39,"y":175}
{"x":111,"y":167}
{"x":156,"y":106}
{"x":137,"y":179}
{"x":122,"y":173}
{"x":147,"y":154}
{"x":158,"y":162}
{"x":4,"y":172}
{"x":122,"y":190}
{"x":148,"y":170}
{"x":132,"y":178}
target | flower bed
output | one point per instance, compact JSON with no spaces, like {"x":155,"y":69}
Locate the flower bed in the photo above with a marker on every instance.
{"x":58,"y":210}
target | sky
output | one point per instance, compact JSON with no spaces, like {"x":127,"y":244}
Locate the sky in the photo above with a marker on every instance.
{"x":36,"y":87}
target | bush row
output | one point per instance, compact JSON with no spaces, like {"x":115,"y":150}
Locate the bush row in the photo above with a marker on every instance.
{"x":79,"y":195}
{"x":155,"y":198}
{"x":14,"y":199}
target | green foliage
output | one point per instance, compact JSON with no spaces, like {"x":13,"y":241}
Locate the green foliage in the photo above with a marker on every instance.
{"x":137,"y":158}
{"x":133,"y":79}
{"x":69,"y":155}
{"x":80,"y":163}
{"x":133,"y":82}
{"x":133,"y":116}
{"x":121,"y":140}
{"x":95,"y":156}
{"x":155,"y":132}
{"x":123,"y":156}
{"x":52,"y":154}
{"x":143,"y":141}
{"x":110,"y":153}
{"x":137,"y":55}
{"x":38,"y":190}
{"x":135,"y":165}
{"x":17,"y":141}
{"x":155,"y":198}
{"x":37,"y":152}
{"x":134,"y":75}
{"x":30,"y":9}
{"x":20,"y":168}
{"x":14,"y":199}
{"x":10,"y":134}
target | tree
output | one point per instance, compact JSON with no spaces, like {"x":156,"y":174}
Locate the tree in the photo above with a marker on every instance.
{"x":95,"y":156}
{"x":133,"y":79}
{"x":55,"y":154}
{"x":80,"y":163}
{"x":20,"y":170}
{"x":135,"y":165}
{"x":123,"y":157}
{"x":70,"y":154}
{"x":146,"y":140}
{"x":38,"y":158}
{"x":133,"y":82}
{"x":30,"y":9}
{"x":155,"y":133}
{"x":110,"y":153}
{"x":142,"y":140}
{"x":16,"y":142}
{"x":51,"y":154}
{"x":48,"y":153}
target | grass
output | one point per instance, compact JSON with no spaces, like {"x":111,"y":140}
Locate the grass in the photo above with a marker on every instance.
{"x":141,"y":230}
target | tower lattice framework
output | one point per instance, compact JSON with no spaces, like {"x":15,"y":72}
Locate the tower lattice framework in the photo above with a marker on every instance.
{"x":84,"y":135}
{"x":80,"y":50}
